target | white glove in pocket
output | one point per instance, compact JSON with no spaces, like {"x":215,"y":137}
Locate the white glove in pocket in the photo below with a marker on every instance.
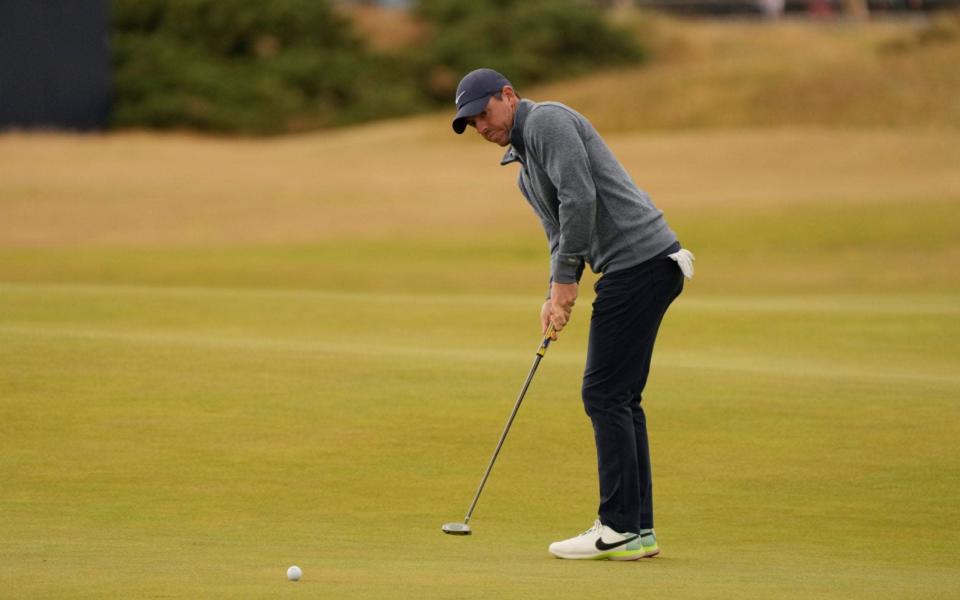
{"x":684,"y":258}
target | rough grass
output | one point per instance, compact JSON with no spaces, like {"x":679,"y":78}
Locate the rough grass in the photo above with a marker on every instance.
{"x":408,"y":178}
{"x":890,"y":74}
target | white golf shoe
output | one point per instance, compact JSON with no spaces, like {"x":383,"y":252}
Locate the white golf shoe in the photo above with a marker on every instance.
{"x":600,"y":543}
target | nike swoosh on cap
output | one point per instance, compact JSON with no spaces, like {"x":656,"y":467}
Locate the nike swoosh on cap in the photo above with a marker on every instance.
{"x":601,"y":545}
{"x":457,"y":100}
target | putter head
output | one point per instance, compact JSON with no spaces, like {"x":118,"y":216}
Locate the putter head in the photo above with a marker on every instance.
{"x":456,"y":529}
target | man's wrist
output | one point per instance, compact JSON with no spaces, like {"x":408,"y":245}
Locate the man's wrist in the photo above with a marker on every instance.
{"x":567,"y":268}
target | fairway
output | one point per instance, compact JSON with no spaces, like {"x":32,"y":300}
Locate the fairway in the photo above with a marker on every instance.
{"x":221,"y":358}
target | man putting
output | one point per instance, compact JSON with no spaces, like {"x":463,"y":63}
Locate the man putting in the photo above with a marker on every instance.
{"x":592,"y":213}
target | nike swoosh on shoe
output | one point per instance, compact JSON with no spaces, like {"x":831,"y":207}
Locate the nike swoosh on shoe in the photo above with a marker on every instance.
{"x":603,"y":546}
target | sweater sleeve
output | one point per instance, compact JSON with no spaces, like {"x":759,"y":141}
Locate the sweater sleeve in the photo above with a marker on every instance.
{"x":555,"y":138}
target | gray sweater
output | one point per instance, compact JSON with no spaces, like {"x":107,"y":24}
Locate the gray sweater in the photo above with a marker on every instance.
{"x":591,"y":209}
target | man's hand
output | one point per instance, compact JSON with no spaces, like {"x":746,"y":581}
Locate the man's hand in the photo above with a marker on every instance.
{"x":557,"y":309}
{"x":545,"y":320}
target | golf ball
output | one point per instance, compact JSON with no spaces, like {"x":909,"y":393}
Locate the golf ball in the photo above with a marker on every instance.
{"x":294,"y":573}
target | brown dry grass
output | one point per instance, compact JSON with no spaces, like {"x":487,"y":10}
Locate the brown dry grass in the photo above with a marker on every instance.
{"x":751,"y":73}
{"x":385,"y":29}
{"x":414,"y":177}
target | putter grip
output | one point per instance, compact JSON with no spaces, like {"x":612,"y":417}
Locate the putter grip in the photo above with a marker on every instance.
{"x":546,"y":341}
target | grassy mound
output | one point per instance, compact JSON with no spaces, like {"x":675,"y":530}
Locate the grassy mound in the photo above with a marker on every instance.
{"x":790,"y":73}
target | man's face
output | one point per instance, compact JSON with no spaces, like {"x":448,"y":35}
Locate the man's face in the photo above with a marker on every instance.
{"x":496,"y":121}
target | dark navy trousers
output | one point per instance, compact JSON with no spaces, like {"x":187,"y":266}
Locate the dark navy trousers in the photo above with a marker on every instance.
{"x":627,"y":312}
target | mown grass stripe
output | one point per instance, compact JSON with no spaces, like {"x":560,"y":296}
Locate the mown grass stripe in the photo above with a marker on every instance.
{"x":904,"y":304}
{"x":757,"y":364}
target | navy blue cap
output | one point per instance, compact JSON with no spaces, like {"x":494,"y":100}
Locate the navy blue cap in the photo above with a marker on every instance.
{"x":474,"y":92}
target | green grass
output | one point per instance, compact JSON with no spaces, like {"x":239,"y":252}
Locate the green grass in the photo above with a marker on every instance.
{"x":189,"y":442}
{"x":168,"y":438}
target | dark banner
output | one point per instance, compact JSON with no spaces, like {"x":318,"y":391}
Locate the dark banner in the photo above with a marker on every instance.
{"x":54,"y":64}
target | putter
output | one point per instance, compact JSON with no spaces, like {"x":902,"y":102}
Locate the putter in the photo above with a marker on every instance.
{"x":464,"y":528}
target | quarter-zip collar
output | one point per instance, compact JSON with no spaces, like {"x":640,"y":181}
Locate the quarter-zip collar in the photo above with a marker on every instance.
{"x":517,"y":151}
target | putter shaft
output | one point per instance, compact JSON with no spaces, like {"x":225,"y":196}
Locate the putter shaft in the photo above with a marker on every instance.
{"x":506,"y":429}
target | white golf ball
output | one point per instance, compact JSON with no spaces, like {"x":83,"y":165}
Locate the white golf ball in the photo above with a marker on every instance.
{"x":294,"y":573}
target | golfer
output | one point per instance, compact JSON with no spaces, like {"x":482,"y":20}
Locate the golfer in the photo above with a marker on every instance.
{"x":593,"y":214}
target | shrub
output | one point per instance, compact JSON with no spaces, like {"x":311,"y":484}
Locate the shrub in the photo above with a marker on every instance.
{"x":529,"y":41}
{"x":255,"y":67}
{"x":244,"y":66}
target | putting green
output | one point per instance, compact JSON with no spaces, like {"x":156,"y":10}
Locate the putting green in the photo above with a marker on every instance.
{"x":188,"y":441}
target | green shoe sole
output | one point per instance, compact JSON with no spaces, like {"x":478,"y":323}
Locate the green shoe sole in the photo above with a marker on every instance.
{"x":621,"y":555}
